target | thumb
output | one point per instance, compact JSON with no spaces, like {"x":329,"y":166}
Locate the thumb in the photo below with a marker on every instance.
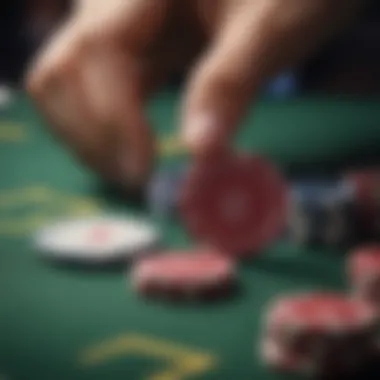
{"x":219,"y":88}
{"x":254,"y":41}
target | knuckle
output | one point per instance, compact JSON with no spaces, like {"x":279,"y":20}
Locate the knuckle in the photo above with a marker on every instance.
{"x":50,"y":67}
{"x":228,"y":80}
{"x":41,"y":74}
{"x":97,"y":32}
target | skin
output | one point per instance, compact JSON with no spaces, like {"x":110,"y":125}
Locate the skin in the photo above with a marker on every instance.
{"x":93,"y":78}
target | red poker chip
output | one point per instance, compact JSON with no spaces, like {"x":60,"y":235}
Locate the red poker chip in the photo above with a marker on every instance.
{"x":320,"y":312}
{"x":364,"y":263}
{"x":364,"y":274}
{"x":184,"y":274}
{"x":237,"y":203}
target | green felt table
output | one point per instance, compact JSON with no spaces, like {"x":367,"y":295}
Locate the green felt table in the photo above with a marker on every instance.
{"x":72,"y":323}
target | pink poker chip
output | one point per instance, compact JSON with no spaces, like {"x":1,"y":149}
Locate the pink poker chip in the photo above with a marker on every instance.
{"x":364,"y":262}
{"x":236,"y":203}
{"x":363,"y":269}
{"x":320,"y":312}
{"x":317,"y":332}
{"x":183,"y":273}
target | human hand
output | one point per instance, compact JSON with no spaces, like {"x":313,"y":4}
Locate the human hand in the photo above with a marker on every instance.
{"x":93,"y":78}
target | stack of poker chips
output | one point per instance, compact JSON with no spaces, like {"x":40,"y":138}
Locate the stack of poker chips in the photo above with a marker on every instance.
{"x":328,"y":335}
{"x":336,"y":213}
{"x":325,"y":335}
{"x":322,"y":213}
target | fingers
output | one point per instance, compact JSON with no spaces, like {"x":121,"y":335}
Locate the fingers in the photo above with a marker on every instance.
{"x":90,"y":84}
{"x":254,"y":40}
{"x":117,"y":86}
{"x":133,"y":24}
{"x":55,"y":83}
{"x":218,"y":89}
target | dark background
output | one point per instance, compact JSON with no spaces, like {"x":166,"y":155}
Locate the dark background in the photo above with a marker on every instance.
{"x":350,"y":64}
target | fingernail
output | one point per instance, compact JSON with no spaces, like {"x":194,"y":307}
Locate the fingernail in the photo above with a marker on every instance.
{"x":201,"y":129}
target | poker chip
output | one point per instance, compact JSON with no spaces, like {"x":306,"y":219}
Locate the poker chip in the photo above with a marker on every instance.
{"x":163,"y":192}
{"x":184,"y":274}
{"x":96,"y":240}
{"x":320,"y":312}
{"x":322,"y":214}
{"x":237,"y":204}
{"x":364,"y":262}
{"x":364,"y":274}
{"x":317,"y":332}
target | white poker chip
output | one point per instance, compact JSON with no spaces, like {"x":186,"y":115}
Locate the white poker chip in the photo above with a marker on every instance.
{"x":98,"y":239}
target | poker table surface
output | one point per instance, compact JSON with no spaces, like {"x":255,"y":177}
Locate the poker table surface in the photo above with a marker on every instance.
{"x":62,"y":322}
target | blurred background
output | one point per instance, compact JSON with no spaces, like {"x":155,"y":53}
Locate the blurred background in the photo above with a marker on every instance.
{"x":350,"y":64}
{"x":25,"y":24}
{"x":54,"y":319}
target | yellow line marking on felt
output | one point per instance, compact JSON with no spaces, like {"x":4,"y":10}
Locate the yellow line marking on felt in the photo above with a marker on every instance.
{"x":182,"y":361}
{"x":12,"y":132}
{"x":25,"y":195}
{"x":42,"y":194}
{"x":51,"y":203}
